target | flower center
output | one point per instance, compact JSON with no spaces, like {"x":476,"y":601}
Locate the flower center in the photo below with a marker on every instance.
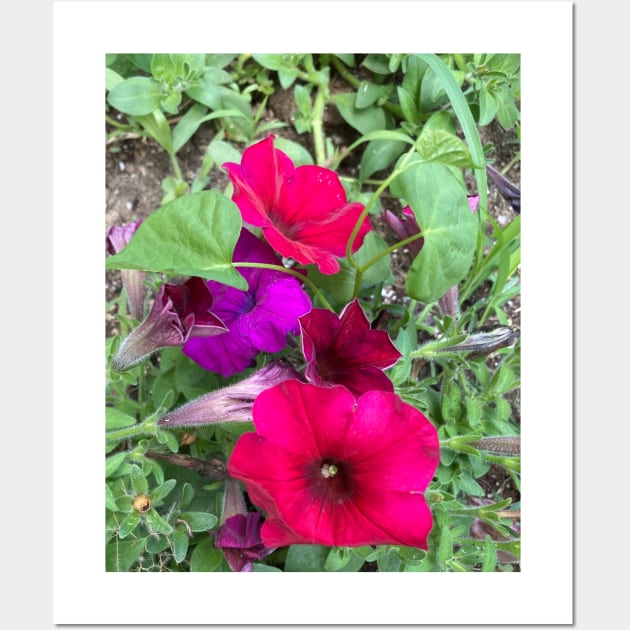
{"x":328,"y":470}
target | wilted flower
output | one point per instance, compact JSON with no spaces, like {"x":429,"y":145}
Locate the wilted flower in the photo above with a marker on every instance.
{"x":303,"y":211}
{"x":331,"y":469}
{"x":343,"y":349}
{"x":258,"y":319}
{"x":239,"y":534}
{"x":133,"y":281}
{"x":229,"y":404}
{"x":179,"y":311}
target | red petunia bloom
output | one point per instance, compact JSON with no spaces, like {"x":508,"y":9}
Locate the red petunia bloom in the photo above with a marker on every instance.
{"x":345,"y":350}
{"x":334,"y":470}
{"x":303,"y":211}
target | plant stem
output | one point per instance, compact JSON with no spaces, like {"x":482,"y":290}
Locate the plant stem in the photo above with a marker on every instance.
{"x":291,"y":272}
{"x":318,"y":123}
{"x":144,"y":428}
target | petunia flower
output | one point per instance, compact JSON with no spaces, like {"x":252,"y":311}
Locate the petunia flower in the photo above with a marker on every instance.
{"x":239,"y":534}
{"x":343,"y":349}
{"x":133,"y":281}
{"x":229,"y":404}
{"x":303,"y":211}
{"x":179,"y":312}
{"x":331,"y":469}
{"x":258,"y":319}
{"x":239,"y":539}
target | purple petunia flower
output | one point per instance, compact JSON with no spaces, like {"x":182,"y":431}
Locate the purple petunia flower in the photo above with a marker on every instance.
{"x":258,"y":319}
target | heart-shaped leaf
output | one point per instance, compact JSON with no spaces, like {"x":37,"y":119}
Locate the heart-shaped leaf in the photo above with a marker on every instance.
{"x":193,"y":235}
{"x":440,"y":205}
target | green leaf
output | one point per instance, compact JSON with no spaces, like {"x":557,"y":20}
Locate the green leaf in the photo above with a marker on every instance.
{"x":199,"y":521}
{"x":440,"y":205}
{"x":163,"y":490}
{"x":363,"y":120}
{"x":124,"y":504}
{"x":138,"y":480}
{"x":379,"y":154}
{"x":119,"y":556}
{"x":137,"y":96}
{"x":378,"y":271}
{"x":221,"y":152}
{"x":306,"y":558}
{"x":128,"y":524}
{"x":113,"y":463}
{"x":490,"y":555}
{"x":188,"y":125}
{"x":407,"y":105}
{"x":437,"y":145}
{"x":180,"y":543}
{"x":112,"y":79}
{"x":287,"y":76}
{"x":156,"y":544}
{"x":368,"y":93}
{"x":157,"y":523}
{"x":116,"y":419}
{"x":445,"y":547}
{"x":193,"y":235}
{"x":258,"y":567}
{"x":487,"y":106}
{"x":389,"y":562}
{"x":205,"y":557}
{"x":294,"y":150}
{"x":466,"y":120}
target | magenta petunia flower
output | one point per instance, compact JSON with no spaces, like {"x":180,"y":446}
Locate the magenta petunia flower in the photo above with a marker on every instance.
{"x":179,"y":312}
{"x":331,"y":469}
{"x":343,"y":349}
{"x":258,"y":319}
{"x":133,"y":280}
{"x":303,"y":211}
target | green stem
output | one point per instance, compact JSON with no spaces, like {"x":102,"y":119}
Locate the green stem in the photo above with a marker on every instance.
{"x":318,"y":123}
{"x":147,"y":427}
{"x":291,"y":272}
{"x":176,"y":169}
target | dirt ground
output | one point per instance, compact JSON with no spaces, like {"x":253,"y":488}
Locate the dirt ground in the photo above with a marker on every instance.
{"x":135,"y":168}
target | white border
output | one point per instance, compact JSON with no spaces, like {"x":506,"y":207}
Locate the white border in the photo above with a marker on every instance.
{"x":83,"y":33}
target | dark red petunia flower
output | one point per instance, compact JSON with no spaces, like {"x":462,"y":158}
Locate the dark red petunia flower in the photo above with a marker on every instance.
{"x":303,"y":212}
{"x":179,"y":311}
{"x":343,"y":349}
{"x":334,"y":470}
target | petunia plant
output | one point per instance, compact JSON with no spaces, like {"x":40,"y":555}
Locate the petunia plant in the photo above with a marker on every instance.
{"x":313,"y":363}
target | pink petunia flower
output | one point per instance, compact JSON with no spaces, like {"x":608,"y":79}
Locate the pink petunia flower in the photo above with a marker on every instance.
{"x":179,"y":312}
{"x":303,"y":211}
{"x":343,"y":349}
{"x":334,"y":470}
{"x":258,"y":319}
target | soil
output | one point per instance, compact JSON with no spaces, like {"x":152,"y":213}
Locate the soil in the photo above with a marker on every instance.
{"x":135,"y":168}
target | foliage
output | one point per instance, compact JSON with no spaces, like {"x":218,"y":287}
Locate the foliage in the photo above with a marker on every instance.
{"x":416,"y":120}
